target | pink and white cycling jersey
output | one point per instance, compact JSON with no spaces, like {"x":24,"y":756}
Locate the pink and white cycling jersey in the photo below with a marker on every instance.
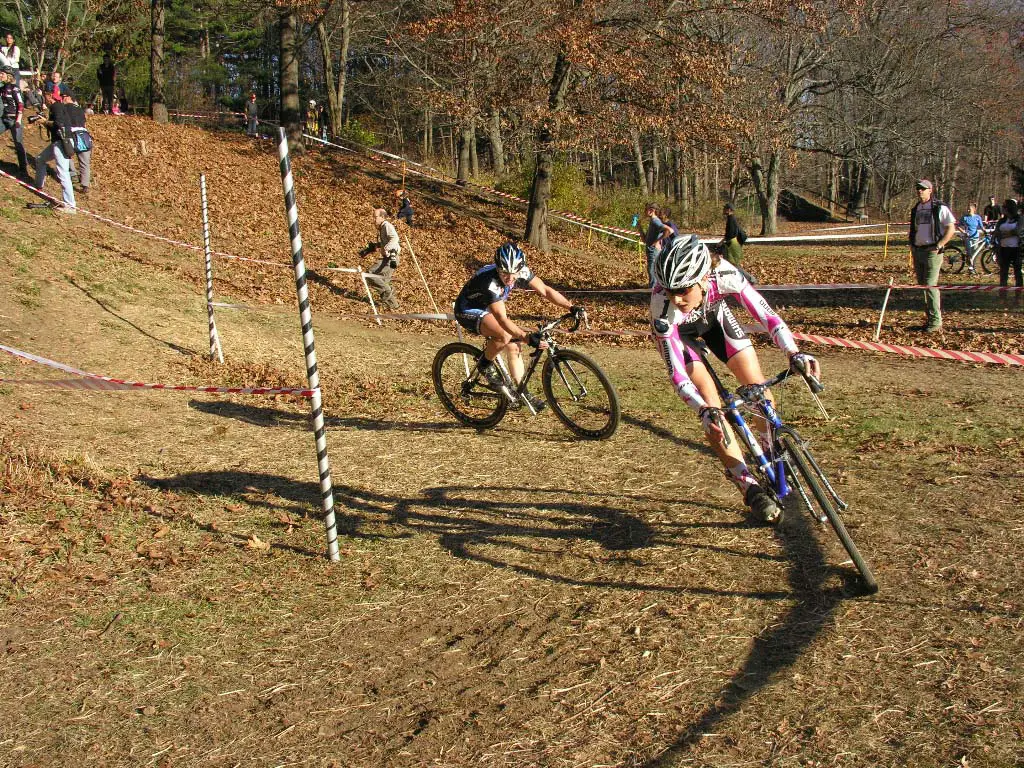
{"x":714,"y":322}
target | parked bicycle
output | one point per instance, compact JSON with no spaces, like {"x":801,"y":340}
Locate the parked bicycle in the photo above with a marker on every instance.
{"x":955,"y":256}
{"x":787,"y":464}
{"x":578,"y":390}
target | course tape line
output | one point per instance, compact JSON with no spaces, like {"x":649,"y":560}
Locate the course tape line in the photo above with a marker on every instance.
{"x":93,"y":381}
{"x":820,"y":287}
{"x":161,"y":238}
{"x":965,"y":356}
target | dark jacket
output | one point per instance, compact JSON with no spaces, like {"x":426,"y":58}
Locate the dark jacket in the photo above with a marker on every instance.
{"x":937,"y":230}
{"x":58,"y":119}
{"x":107,"y":75}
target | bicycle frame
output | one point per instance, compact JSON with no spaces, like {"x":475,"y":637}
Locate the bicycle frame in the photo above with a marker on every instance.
{"x":535,"y":358}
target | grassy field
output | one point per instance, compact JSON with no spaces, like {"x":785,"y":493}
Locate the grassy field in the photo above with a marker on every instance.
{"x":509,"y":598}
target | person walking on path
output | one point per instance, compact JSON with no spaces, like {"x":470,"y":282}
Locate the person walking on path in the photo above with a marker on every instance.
{"x":735,"y":237}
{"x":654,"y":238}
{"x":1008,"y":236}
{"x":107,"y":75}
{"x":932,"y":226}
{"x":380,"y":274}
{"x":12,"y":116}
{"x":57,"y":125}
{"x":251,"y":116}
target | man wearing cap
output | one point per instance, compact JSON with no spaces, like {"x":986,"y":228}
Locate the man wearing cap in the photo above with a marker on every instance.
{"x":932,"y":226}
{"x":12,"y":111}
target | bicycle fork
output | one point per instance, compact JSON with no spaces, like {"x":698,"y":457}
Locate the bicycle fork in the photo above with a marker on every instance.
{"x":772,"y":468}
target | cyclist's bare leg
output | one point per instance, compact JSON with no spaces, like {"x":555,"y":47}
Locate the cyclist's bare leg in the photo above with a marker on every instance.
{"x":497,"y":337}
{"x":730,"y":455}
{"x":747,"y":368}
{"x":516,"y":368}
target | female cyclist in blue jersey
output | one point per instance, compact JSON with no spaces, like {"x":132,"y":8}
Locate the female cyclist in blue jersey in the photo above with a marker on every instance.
{"x":480,"y":309}
{"x":687,"y":304}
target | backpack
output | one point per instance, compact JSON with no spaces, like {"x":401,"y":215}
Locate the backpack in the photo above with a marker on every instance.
{"x":741,"y":234}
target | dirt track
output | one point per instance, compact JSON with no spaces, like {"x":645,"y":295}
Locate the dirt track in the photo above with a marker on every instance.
{"x":514,"y":598}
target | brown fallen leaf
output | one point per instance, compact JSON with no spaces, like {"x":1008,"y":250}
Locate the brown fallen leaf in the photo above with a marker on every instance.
{"x":162,"y":531}
{"x":256,"y":543}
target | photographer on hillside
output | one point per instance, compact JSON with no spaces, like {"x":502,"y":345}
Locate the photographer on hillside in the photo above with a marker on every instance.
{"x":379,"y":276}
{"x":12,"y":112}
{"x":59,"y":150}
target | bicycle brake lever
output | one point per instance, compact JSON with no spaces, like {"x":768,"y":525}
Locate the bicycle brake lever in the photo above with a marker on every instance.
{"x":815,"y":385}
{"x":720,"y":421}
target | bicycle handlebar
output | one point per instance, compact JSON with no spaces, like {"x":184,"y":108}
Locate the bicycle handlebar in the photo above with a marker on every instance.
{"x":815,"y":385}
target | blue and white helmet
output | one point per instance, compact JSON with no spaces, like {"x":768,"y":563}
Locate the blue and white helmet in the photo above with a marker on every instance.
{"x":682,"y":263}
{"x":510,"y":259}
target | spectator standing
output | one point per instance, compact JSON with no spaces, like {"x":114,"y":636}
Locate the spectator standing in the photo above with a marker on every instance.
{"x":653,"y":238}
{"x":1008,"y":236}
{"x":405,"y":211}
{"x":251,"y":116}
{"x":12,"y":116}
{"x":56,"y":124}
{"x":992,"y":212}
{"x":10,"y":57}
{"x":932,"y":226}
{"x":734,"y":238}
{"x":380,"y":274}
{"x":673,"y":230}
{"x":971,"y":226}
{"x":81,"y":140}
{"x":107,"y":75}
{"x":323,"y":121}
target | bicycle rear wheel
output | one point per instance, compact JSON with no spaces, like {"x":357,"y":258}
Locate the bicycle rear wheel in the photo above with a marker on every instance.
{"x":953,"y":259}
{"x":460,"y":389}
{"x":580,"y":394}
{"x":801,"y":463}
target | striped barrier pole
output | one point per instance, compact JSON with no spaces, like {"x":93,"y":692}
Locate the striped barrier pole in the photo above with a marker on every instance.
{"x":216,"y":352}
{"x":366,"y":287}
{"x":885,"y":302}
{"x":306,"y":318}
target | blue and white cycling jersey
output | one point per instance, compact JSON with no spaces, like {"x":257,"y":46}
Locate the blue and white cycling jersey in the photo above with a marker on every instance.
{"x":484,"y":289}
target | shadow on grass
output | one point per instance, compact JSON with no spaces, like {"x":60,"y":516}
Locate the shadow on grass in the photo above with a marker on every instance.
{"x":176,"y":347}
{"x":479,"y":523}
{"x":778,"y":649}
{"x":263,"y":416}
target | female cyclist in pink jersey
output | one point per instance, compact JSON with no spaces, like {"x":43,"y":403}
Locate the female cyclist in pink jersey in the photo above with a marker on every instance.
{"x":687,"y":304}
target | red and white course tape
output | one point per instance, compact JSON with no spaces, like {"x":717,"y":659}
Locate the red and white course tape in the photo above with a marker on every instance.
{"x":93,"y":381}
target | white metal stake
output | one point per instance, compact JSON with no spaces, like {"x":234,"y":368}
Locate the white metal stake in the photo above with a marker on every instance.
{"x":216,"y":352}
{"x":881,"y":315}
{"x":366,"y":287}
{"x":306,"y":318}
{"x":424,"y":279}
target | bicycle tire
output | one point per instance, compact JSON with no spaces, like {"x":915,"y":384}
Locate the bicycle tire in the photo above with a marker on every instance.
{"x":794,"y":449}
{"x":987,"y":260}
{"x":567,"y":369}
{"x":467,"y":400}
{"x":954,"y":264}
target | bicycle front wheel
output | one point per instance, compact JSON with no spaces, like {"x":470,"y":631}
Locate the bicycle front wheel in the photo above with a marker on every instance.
{"x":800,"y":461}
{"x":460,"y":389}
{"x":987,"y":259}
{"x":954,"y":260}
{"x":580,"y":394}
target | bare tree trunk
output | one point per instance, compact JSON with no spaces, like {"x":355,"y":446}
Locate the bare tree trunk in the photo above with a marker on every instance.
{"x":638,"y":159}
{"x":291,"y":117}
{"x":766,"y":184}
{"x":335,"y":92}
{"x":540,"y":190}
{"x":953,"y":178}
{"x":474,"y":159}
{"x":428,"y":134}
{"x":465,"y":139}
{"x":497,"y":145}
{"x":157,"y":105}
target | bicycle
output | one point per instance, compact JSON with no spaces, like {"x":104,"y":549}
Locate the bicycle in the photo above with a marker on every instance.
{"x":579,"y":392}
{"x":955,"y":256}
{"x":788,"y":464}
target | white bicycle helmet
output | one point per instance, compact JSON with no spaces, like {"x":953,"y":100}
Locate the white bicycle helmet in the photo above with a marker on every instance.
{"x":682,"y":263}
{"x":510,"y":259}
